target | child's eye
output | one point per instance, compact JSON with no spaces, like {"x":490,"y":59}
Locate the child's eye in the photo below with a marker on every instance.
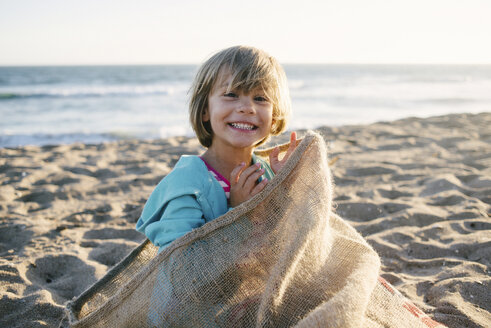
{"x":260,"y":98}
{"x":230,"y":94}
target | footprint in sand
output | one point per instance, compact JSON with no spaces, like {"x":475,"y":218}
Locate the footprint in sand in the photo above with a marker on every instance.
{"x":427,"y":251}
{"x":484,"y":196}
{"x":9,"y":277}
{"x":393,"y":194}
{"x":463,"y":215}
{"x":39,"y":305}
{"x":137,"y":170}
{"x":447,"y":201}
{"x":133,"y":212}
{"x":14,"y":174}
{"x":14,"y":237}
{"x":435,"y":186}
{"x":394,"y":207}
{"x":475,"y":181}
{"x":405,"y":177}
{"x":369,"y":171}
{"x":342,"y":197}
{"x":58,"y":179}
{"x":141,"y":182}
{"x":64,"y":276}
{"x":39,"y":196}
{"x":105,"y":174}
{"x":99,"y":214}
{"x":359,"y":211}
{"x":478,"y":225}
{"x":111,"y":253}
{"x":340,"y":181}
{"x":421,"y":219}
{"x":78,"y":170}
{"x":469,"y":290}
{"x":111,"y":233}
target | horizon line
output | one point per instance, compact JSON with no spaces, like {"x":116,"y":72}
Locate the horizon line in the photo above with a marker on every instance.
{"x":282,"y":63}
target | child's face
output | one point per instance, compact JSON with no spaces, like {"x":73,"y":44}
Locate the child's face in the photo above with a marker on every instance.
{"x":238,"y":119}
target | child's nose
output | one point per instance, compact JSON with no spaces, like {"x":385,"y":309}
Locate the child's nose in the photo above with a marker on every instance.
{"x":247,"y":106}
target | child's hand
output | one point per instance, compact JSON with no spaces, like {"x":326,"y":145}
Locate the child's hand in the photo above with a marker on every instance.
{"x":276,"y":164}
{"x":243,"y":183}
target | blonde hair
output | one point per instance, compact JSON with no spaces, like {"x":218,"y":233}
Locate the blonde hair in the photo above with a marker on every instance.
{"x":250,"y":69}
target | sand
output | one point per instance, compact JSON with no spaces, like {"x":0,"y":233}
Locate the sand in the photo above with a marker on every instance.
{"x":419,"y":190}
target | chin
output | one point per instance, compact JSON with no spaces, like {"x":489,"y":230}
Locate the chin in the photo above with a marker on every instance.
{"x":245,"y":144}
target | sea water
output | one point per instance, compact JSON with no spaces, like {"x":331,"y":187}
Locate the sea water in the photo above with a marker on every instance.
{"x":91,"y":104}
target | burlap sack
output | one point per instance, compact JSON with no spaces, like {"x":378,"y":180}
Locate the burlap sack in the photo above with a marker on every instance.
{"x":282,"y":259}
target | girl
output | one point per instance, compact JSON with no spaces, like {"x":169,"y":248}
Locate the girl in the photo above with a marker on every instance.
{"x":239,"y":98}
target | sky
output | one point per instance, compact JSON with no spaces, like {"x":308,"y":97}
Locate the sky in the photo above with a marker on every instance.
{"x":86,"y":32}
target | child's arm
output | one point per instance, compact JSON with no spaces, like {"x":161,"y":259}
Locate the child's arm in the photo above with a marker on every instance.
{"x":180,"y":216}
{"x":184,"y":200}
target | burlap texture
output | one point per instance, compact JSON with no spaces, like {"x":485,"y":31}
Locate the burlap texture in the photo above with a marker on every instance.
{"x":281,"y":259}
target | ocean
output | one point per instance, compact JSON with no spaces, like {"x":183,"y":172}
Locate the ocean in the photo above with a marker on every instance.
{"x":92,"y":104}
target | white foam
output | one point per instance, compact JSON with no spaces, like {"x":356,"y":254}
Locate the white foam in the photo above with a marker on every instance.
{"x":149,"y":106}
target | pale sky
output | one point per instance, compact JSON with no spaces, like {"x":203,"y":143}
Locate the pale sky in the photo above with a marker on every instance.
{"x":64,"y":32}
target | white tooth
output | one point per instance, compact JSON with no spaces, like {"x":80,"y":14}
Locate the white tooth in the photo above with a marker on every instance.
{"x":243,"y":126}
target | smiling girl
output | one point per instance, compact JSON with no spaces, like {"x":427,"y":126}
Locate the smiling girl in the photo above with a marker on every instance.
{"x":239,"y":99}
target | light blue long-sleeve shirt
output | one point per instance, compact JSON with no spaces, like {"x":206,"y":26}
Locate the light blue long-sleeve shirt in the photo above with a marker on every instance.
{"x":185,"y":199}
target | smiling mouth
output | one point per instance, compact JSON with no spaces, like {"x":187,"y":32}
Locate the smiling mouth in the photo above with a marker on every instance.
{"x":243,"y":126}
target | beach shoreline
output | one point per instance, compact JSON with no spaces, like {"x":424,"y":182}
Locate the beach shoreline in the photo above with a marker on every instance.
{"x":418,"y":189}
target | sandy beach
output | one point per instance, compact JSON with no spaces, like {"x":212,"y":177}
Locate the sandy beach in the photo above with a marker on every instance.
{"x":419,"y":190}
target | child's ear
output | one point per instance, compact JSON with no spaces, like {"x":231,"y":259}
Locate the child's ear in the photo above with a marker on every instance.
{"x":206,"y":115}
